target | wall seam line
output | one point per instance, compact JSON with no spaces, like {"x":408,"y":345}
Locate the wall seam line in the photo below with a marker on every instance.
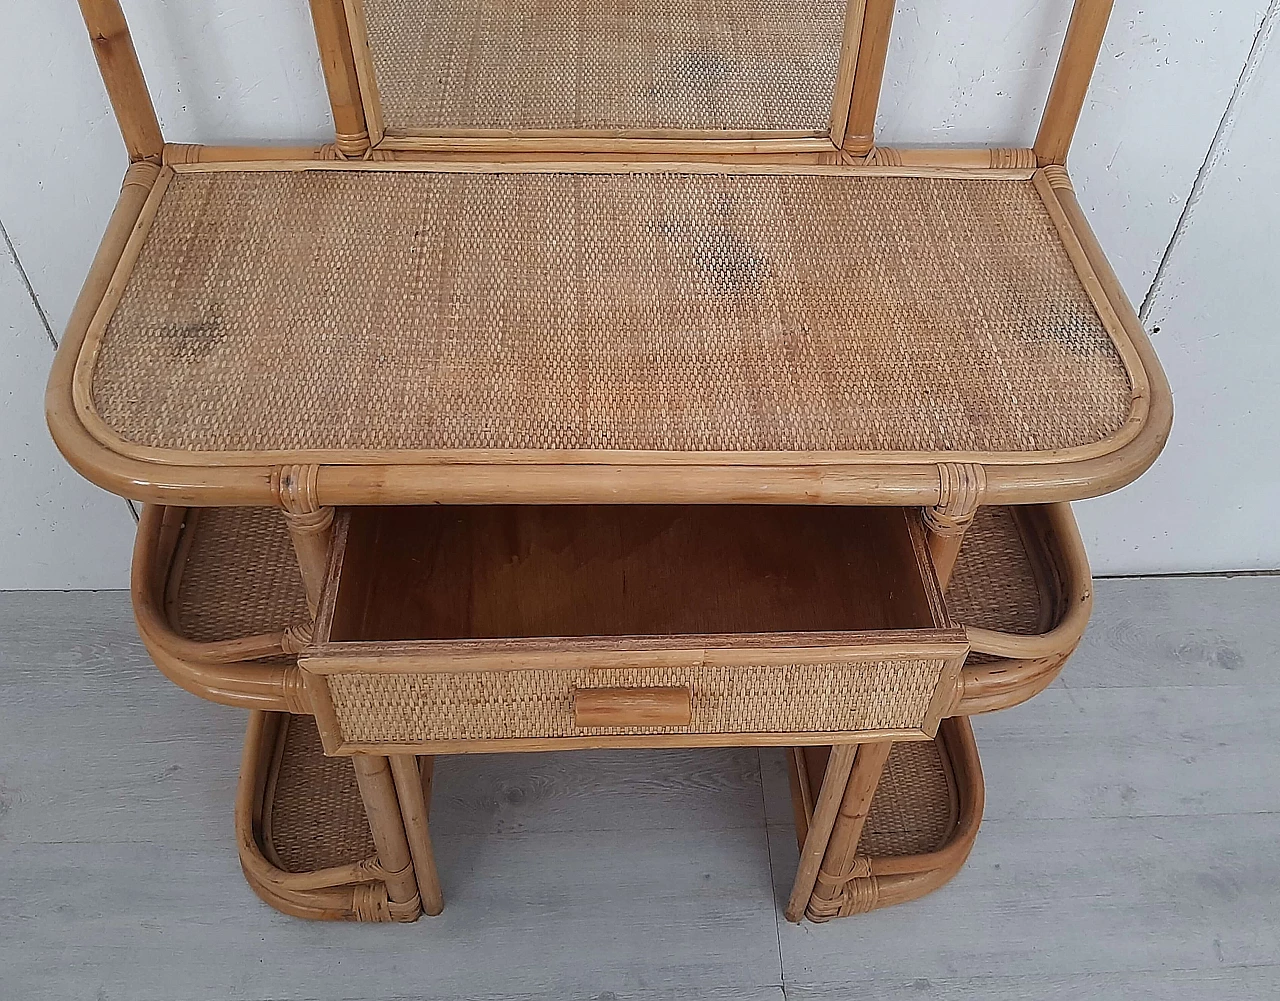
{"x":44,"y":317}
{"x":1217,"y":150}
{"x":26,"y":282}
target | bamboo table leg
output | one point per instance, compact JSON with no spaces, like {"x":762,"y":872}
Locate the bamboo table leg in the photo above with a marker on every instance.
{"x":310,"y":525}
{"x":841,"y":862}
{"x":825,"y":811}
{"x":829,"y":859}
{"x":413,"y":809}
{"x":377,"y":789}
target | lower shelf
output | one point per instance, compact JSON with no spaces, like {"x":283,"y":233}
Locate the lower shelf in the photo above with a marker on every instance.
{"x":304,"y":843}
{"x":306,"y":849}
{"x":922,"y":824}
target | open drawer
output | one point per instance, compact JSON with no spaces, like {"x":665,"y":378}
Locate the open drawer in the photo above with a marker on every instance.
{"x":454,"y":629}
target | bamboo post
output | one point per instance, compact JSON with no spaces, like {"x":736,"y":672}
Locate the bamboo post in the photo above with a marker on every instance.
{"x":868,"y":77}
{"x":960,"y":490}
{"x":126,"y":87}
{"x":381,"y":807}
{"x":825,"y":811}
{"x":841,"y":862}
{"x":1071,"y":80}
{"x":339,"y":63}
{"x":310,"y":525}
{"x":413,"y":810}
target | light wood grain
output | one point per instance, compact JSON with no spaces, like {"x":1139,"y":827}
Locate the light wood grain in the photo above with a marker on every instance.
{"x":632,"y":706}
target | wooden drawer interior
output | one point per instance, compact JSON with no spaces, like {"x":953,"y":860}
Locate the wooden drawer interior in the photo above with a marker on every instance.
{"x":460,"y":573}
{"x":466,"y":628}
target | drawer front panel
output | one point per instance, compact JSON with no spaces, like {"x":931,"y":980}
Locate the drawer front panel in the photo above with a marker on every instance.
{"x":837,"y":697}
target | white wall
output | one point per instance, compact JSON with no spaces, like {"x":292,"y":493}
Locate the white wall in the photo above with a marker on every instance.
{"x":231,"y":70}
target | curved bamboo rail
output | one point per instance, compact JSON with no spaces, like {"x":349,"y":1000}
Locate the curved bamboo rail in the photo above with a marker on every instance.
{"x":352,"y":892}
{"x":1030,"y":663}
{"x":222,"y":671}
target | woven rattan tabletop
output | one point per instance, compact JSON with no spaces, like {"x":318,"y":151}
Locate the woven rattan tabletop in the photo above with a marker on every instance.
{"x":815,"y":319}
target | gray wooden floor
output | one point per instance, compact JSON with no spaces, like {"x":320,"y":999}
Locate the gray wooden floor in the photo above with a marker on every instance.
{"x":1131,"y":846}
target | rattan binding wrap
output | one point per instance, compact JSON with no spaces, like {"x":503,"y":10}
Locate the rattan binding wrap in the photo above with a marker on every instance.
{"x":376,"y":708}
{"x":668,"y":312}
{"x":606,"y":65}
{"x":313,"y":817}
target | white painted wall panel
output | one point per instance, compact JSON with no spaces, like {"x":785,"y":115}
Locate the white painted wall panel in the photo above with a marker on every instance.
{"x":61,"y":173}
{"x":56,"y":531}
{"x":229,"y":70}
{"x":1210,"y":501}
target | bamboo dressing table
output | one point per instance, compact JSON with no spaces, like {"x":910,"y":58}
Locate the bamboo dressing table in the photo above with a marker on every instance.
{"x":610,"y":392}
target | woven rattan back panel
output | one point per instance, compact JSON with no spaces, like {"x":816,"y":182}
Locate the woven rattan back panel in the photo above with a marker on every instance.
{"x":639,"y":66}
{"x":679,"y":312}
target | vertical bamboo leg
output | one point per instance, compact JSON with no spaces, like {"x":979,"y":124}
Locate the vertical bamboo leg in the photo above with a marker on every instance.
{"x":377,"y":789}
{"x":351,"y":132}
{"x":960,"y":490}
{"x":868,"y":77}
{"x":1071,"y":80}
{"x":413,"y":809}
{"x":841,"y":861}
{"x":118,"y":62}
{"x":310,"y":525}
{"x":825,"y":811}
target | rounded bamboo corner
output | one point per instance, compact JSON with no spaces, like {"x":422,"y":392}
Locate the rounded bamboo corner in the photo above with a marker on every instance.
{"x":344,"y":893}
{"x":867,"y":883}
{"x":222,"y":671}
{"x":1027,"y":664}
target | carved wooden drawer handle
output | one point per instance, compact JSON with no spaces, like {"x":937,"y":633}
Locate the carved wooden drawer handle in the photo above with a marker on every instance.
{"x":632,"y":706}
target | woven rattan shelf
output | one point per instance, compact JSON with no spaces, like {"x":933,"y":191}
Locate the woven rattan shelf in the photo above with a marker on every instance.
{"x":795,"y":332}
{"x":304,"y":842}
{"x":923,"y":820}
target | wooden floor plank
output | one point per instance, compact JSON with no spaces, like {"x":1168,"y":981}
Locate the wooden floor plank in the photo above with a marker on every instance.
{"x":1128,"y":851}
{"x":1064,"y":898}
{"x":534,"y":915}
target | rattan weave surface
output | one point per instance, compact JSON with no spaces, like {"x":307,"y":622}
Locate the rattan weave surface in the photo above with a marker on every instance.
{"x":914,"y":810}
{"x":240,"y":577}
{"x":396,"y":310}
{"x":496,"y":705}
{"x":316,"y":817}
{"x":993,"y":585}
{"x":605,"y":64}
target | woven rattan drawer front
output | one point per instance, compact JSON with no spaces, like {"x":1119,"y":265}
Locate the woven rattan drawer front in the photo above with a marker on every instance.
{"x":739,"y":703}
